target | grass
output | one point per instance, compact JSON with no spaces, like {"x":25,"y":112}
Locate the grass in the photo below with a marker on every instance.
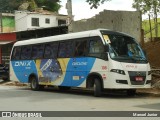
{"x":145,"y":26}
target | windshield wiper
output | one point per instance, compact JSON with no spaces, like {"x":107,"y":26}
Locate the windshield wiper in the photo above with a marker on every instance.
{"x":138,"y":57}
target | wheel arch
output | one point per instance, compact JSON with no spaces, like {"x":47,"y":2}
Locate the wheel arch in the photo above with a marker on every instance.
{"x":90,"y":80}
{"x":30,"y":76}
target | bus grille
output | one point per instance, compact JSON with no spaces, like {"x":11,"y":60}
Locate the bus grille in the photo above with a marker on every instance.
{"x":137,"y":78}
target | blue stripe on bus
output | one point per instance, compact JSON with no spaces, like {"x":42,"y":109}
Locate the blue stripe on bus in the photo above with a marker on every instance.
{"x":77,"y":67}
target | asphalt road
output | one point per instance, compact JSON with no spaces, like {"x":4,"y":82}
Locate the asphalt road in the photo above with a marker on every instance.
{"x":15,"y":98}
{"x":22,"y":98}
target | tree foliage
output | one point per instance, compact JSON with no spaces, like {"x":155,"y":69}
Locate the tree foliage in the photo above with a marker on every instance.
{"x":96,"y":3}
{"x":147,"y":6}
{"x":11,"y":5}
{"x":51,"y":5}
{"x":152,"y":7}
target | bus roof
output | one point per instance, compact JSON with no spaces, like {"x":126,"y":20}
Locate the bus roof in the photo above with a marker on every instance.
{"x":65,"y":37}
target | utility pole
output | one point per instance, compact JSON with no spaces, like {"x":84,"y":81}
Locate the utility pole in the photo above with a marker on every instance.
{"x":70,"y":19}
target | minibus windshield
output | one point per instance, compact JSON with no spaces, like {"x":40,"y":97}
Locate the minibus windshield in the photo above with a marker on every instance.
{"x":125,"y":49}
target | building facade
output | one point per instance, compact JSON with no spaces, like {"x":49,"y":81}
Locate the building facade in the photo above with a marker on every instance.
{"x":6,"y":42}
{"x":26,"y":25}
{"x":26,"y":20}
{"x":7,"y":22}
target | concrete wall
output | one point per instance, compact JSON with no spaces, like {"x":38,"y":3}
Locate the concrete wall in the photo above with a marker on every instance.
{"x":21,"y":21}
{"x":123,"y":21}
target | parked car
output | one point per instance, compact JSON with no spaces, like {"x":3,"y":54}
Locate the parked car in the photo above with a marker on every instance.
{"x":4,"y":72}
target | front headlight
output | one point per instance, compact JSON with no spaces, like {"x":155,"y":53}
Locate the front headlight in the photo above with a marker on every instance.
{"x":118,"y":71}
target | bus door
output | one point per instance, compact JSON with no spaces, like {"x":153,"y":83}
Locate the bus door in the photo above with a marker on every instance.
{"x":64,"y":57}
{"x":79,"y":62}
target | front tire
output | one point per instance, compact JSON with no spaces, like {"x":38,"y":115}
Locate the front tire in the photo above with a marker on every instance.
{"x":97,"y":88}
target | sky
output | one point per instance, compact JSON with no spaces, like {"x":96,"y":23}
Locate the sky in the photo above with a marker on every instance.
{"x":81,"y":9}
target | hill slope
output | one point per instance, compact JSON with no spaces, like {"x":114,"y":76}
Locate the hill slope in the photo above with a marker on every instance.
{"x":145,"y":26}
{"x":153,"y":53}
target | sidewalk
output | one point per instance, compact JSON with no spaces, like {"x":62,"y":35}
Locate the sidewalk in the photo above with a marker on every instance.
{"x":12,"y":83}
{"x":151,"y":92}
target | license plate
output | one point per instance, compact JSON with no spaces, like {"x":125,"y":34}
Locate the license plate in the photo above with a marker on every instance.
{"x":139,"y":78}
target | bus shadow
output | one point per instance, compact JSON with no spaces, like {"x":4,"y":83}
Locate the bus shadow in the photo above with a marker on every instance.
{"x":89,"y":93}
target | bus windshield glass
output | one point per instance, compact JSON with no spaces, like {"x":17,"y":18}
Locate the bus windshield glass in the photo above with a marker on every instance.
{"x":125,"y":49}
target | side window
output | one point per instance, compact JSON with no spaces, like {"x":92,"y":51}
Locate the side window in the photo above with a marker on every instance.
{"x":51,"y":50}
{"x":26,"y":52}
{"x":96,"y":47}
{"x":16,"y":53}
{"x":66,"y":49}
{"x":37,"y":51}
{"x":81,"y":48}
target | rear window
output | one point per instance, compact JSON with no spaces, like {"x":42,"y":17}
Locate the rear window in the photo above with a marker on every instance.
{"x":16,"y":53}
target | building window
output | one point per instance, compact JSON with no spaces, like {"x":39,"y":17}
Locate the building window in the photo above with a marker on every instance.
{"x":61,"y":22}
{"x":35,"y":21}
{"x":47,"y":20}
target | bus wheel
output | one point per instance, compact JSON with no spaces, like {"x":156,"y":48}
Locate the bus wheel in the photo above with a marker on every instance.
{"x":97,"y":88}
{"x":34,"y":84}
{"x":131,"y":92}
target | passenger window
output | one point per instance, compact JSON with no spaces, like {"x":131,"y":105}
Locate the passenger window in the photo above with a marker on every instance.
{"x":65,"y":49}
{"x":96,"y":48}
{"x":26,"y":52}
{"x":16,"y":53}
{"x":37,"y":51}
{"x":51,"y":50}
{"x":80,"y":48}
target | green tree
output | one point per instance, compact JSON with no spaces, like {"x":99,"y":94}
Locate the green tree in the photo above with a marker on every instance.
{"x":96,"y":3}
{"x":152,"y":7}
{"x":51,"y":5}
{"x":11,"y":5}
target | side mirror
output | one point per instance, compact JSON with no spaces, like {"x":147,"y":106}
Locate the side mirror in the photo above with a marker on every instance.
{"x":106,"y":56}
{"x":106,"y":50}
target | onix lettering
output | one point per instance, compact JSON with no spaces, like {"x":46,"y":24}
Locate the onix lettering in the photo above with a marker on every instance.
{"x":23,"y":63}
